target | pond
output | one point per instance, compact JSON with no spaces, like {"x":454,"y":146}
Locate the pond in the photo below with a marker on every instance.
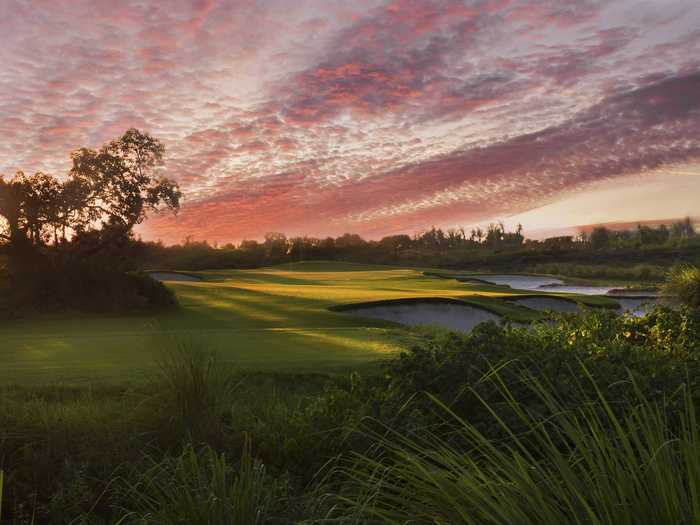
{"x":542,"y":284}
{"x":636,"y":306}
{"x":632,"y":302}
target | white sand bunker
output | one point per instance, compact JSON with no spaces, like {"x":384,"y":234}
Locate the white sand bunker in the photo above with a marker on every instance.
{"x":454,"y":316}
{"x":172,"y":276}
{"x":548,"y":304}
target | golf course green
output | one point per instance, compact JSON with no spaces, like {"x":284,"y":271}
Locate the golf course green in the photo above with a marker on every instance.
{"x":278,"y":318}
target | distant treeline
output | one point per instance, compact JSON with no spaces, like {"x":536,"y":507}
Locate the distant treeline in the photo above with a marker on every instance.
{"x":493,"y":248}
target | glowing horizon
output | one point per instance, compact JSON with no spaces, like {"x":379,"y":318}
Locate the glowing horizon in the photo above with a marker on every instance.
{"x":380,"y":117}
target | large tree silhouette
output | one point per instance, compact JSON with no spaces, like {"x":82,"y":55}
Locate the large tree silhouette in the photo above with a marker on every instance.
{"x":109,"y":191}
{"x":68,"y":241}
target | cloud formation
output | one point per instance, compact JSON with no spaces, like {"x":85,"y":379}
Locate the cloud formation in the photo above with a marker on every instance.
{"x":377,"y":116}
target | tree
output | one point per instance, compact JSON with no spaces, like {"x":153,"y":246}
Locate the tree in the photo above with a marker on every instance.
{"x":12,"y":198}
{"x":395,"y":244}
{"x":600,"y":237}
{"x":682,"y":229}
{"x":494,"y":234}
{"x":117,"y":184}
{"x":349,"y":240}
{"x":69,"y":241}
{"x":109,"y":190}
{"x":30,"y":208}
{"x":649,"y":235}
{"x":276,"y":247}
{"x":477,"y":235}
{"x":515,"y":238}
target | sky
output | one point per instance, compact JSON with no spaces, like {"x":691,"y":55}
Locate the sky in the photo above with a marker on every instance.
{"x":377,"y":117}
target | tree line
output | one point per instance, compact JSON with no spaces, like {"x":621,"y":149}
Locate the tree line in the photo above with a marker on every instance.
{"x":456,"y":247}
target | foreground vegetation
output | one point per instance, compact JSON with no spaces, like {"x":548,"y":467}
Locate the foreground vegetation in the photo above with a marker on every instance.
{"x":592,"y":418}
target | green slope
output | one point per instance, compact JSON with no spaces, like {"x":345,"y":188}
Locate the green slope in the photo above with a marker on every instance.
{"x":274,"y":318}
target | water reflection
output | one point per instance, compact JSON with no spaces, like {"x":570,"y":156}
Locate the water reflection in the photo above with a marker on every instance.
{"x":632,"y":302}
{"x":542,"y":284}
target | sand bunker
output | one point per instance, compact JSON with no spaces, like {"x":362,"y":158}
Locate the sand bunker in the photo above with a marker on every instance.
{"x":451,"y":315}
{"x":172,"y":276}
{"x":548,"y":304}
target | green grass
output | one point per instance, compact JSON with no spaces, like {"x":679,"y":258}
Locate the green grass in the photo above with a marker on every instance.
{"x":272,"y":318}
{"x":583,"y":465}
{"x":202,"y":488}
{"x":683,"y":285}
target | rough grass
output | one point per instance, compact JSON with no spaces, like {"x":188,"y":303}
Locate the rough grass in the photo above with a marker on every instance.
{"x":187,"y":447}
{"x":271,"y":318}
{"x":584,"y":465}
{"x":683,"y":285}
{"x":202,"y":488}
{"x":202,"y":443}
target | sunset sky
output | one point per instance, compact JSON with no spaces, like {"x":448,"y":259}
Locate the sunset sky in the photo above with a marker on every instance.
{"x":319,"y":117}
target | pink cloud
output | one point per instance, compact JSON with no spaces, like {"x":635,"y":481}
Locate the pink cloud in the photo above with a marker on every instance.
{"x":377,"y":115}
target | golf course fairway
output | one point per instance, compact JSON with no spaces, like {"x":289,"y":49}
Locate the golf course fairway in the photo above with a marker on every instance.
{"x":279,"y":318}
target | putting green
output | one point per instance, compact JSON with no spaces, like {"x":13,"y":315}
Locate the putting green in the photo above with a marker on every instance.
{"x":272,"y":318}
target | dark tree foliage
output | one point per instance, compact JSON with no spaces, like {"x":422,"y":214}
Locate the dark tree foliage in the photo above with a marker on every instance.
{"x":642,"y":255}
{"x":67,"y":240}
{"x":110,"y":188}
{"x":600,"y":237}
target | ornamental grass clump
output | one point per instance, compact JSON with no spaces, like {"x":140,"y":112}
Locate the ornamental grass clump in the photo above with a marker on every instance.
{"x":683,"y":285}
{"x":584,"y":464}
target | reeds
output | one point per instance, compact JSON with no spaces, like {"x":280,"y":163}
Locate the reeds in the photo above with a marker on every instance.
{"x":201,"y":488}
{"x":196,"y":388}
{"x":577,"y":465}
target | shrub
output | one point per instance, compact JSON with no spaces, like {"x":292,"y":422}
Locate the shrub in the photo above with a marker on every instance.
{"x":638,"y":272}
{"x":683,"y":285}
{"x":89,"y":286}
{"x":660,"y":350}
{"x":195,"y":391}
{"x":585,"y":465}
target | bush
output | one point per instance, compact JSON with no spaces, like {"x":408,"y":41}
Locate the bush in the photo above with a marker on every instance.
{"x":683,"y":285}
{"x":660,"y":351}
{"x":638,"y":272}
{"x":85,"y":287}
{"x":585,"y":464}
{"x":196,"y":390}
{"x":200,"y":487}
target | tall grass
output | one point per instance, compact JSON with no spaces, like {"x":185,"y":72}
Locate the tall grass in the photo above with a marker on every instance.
{"x":683,"y":285}
{"x":196,"y":388}
{"x":201,"y":488}
{"x":582,"y":465}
